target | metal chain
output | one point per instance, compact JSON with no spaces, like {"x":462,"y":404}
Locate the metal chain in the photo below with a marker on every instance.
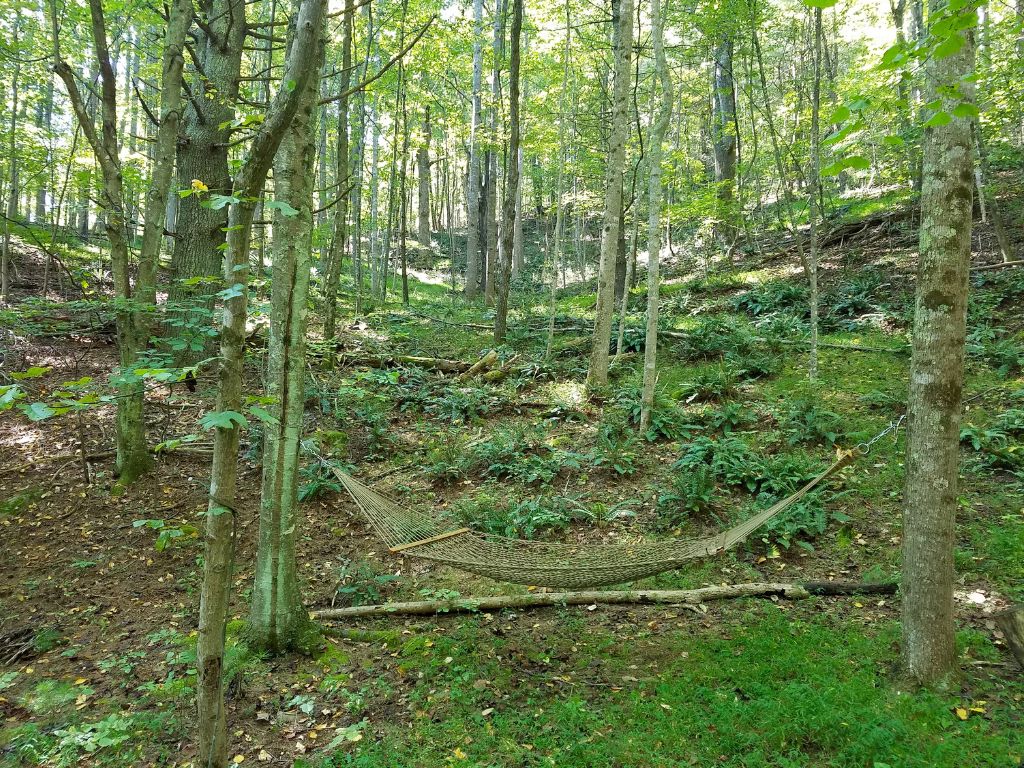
{"x":894,"y":427}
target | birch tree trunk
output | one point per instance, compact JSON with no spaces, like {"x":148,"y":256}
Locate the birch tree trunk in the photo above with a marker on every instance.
{"x":597,"y":374}
{"x":512,"y":181}
{"x":473,"y":221}
{"x":218,"y":558}
{"x":654,"y":193}
{"x":936,"y":376}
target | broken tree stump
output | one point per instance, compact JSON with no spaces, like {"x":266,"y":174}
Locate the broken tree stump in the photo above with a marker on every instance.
{"x":1011,"y":622}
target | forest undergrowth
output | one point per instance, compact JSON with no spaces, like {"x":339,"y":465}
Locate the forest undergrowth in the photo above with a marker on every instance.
{"x":99,"y":588}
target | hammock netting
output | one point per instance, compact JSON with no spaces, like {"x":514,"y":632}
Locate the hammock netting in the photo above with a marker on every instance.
{"x":548,"y":564}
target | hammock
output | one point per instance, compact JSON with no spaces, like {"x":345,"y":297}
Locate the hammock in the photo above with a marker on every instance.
{"x":549,"y":564}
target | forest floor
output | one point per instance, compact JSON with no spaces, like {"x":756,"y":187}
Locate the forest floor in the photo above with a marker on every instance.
{"x":99,"y":590}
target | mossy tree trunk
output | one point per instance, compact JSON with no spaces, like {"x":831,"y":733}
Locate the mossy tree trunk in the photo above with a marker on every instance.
{"x":937,"y":375}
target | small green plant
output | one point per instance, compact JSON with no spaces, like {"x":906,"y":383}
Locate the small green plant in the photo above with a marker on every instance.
{"x":771,"y":296}
{"x":728,"y":418}
{"x":617,"y":447}
{"x":805,"y":422}
{"x":688,"y":492}
{"x":519,"y":518}
{"x":363,"y":584}
{"x":728,"y":459}
{"x":168,"y":532}
{"x":712,"y":384}
{"x":667,"y":420}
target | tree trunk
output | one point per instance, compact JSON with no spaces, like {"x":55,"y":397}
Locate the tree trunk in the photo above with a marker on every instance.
{"x":474,"y":225}
{"x":723,"y":131}
{"x":814,"y":177}
{"x":597,"y":374}
{"x":342,"y":177}
{"x":423,"y":173}
{"x":278,"y":620}
{"x":491,"y":276}
{"x":203,"y":156}
{"x":936,"y":377}
{"x":658,"y":131}
{"x":12,"y":170}
{"x":218,"y":559}
{"x":512,"y":181}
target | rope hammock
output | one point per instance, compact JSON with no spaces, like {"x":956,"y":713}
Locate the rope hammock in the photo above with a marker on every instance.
{"x":548,"y":564}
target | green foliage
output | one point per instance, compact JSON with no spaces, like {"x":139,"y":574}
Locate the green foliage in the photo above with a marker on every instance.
{"x":363,"y":583}
{"x":168,"y":532}
{"x":690,"y":491}
{"x":712,"y":384}
{"x":516,"y":453}
{"x":728,"y":418}
{"x":998,"y":446}
{"x":667,"y":421}
{"x":772,"y":296}
{"x":804,"y":421}
{"x":498,"y":514}
{"x":617,"y":447}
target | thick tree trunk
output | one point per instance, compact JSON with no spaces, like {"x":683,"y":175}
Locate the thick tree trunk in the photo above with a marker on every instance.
{"x":597,"y":374}
{"x":512,"y":181}
{"x":658,"y":131}
{"x":300,"y":66}
{"x":474,"y":225}
{"x":203,"y":156}
{"x":423,"y":177}
{"x":491,"y":276}
{"x":936,"y":378}
{"x":278,"y":620}
{"x":723,"y":130}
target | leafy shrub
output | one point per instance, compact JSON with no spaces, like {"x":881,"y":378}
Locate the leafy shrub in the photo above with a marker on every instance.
{"x":519,"y":518}
{"x":690,"y":491}
{"x":516,"y":453}
{"x":617,"y":447}
{"x":712,"y":384}
{"x":714,"y":337}
{"x":667,"y":420}
{"x":729,"y":417}
{"x":460,"y":405}
{"x":771,"y":296}
{"x":855,"y":296}
{"x":754,"y":363}
{"x":994,"y":446}
{"x":808,"y":517}
{"x":363,"y":583}
{"x":805,"y":422}
{"x":728,"y":460}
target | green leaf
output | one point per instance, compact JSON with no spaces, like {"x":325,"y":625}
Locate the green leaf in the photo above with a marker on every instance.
{"x":840,"y":114}
{"x":858,"y":163}
{"x":893,"y":141}
{"x":939,"y":118}
{"x":949,"y":46}
{"x":966,"y":109}
{"x":38,"y":411}
{"x":819,"y":3}
{"x":263,"y":414}
{"x":8,"y":394}
{"x":223,"y":420}
{"x":282,"y":206}
{"x":32,"y":373}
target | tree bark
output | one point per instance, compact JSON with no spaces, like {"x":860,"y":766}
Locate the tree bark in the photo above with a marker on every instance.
{"x":654,"y":194}
{"x":814,"y":178}
{"x":473,"y":220}
{"x":12,"y":172}
{"x":203,"y":155}
{"x":342,"y":177}
{"x":936,"y":378}
{"x":512,"y":180}
{"x":609,"y":597}
{"x":278,"y":619}
{"x":597,"y":373}
{"x":218,"y":559}
{"x":423,"y":174}
{"x":723,"y":130}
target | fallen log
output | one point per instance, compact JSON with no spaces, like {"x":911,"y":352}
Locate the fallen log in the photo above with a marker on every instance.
{"x":393,"y":361}
{"x":1000,"y":265}
{"x":480,"y":365}
{"x":617,"y":597}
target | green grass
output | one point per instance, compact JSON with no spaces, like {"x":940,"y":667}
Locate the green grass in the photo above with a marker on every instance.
{"x":767,"y":690}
